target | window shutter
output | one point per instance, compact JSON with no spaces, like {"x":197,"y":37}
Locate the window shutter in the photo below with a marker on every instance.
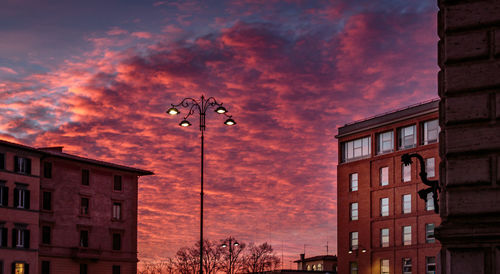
{"x":5,"y":194}
{"x":26,"y":268}
{"x":13,"y":268}
{"x":16,"y":197}
{"x":16,"y":164}
{"x":14,"y":238}
{"x":4,"y":237}
{"x":2,"y":161}
{"x":27,"y":199}
{"x":26,"y":238}
{"x":28,"y":166}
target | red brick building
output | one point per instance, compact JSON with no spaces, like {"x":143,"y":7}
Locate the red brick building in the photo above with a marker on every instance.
{"x":61,"y":213}
{"x":383,"y":225}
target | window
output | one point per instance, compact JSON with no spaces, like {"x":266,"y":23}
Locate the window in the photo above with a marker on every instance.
{"x":47,"y":170}
{"x":20,"y":237}
{"x":4,"y":194}
{"x":354,"y":211}
{"x":353,"y":179}
{"x":21,"y":196}
{"x":46,"y":234}
{"x":384,"y":237}
{"x":117,"y":241}
{"x":47,"y":200}
{"x":356,"y":149}
{"x":20,"y":268}
{"x":45,"y":267}
{"x":429,"y":233}
{"x":84,"y":206}
{"x":2,"y":162}
{"x":430,"y":265}
{"x":117,"y":184}
{"x":1,"y":267}
{"x":385,"y":142}
{"x":430,"y":132}
{"x":384,"y":176}
{"x":429,"y":205}
{"x":407,"y":137}
{"x":3,"y":236}
{"x":407,"y":266}
{"x":22,"y":165}
{"x":84,"y":238}
{"x":83,"y":269}
{"x":116,"y":269}
{"x":354,"y":240}
{"x":85,"y":177}
{"x":406,"y":172}
{"x":406,"y":203}
{"x":384,"y":207}
{"x":384,"y":266}
{"x":406,"y":235}
{"x":117,"y":208}
{"x":354,"y":268}
{"x":430,"y":167}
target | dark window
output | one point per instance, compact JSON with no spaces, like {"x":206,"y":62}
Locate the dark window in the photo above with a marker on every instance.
{"x":45,"y":267}
{"x":117,"y":183}
{"x":46,"y":235}
{"x":21,"y":198}
{"x":84,"y":238}
{"x":407,"y":266}
{"x":3,"y":237}
{"x":47,"y":200}
{"x":116,"y":269}
{"x":429,"y":233}
{"x":1,"y":267}
{"x":85,"y":177}
{"x":84,"y":206}
{"x":117,"y":241}
{"x":2,"y":162}
{"x":354,"y":267}
{"x":430,"y":265}
{"x":47,"y":170}
{"x":22,"y":165}
{"x":4,"y":195}
{"x":20,"y":238}
{"x":83,"y":268}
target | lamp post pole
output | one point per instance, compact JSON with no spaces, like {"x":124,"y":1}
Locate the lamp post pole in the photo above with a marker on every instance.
{"x":230,"y":252}
{"x":200,"y":107}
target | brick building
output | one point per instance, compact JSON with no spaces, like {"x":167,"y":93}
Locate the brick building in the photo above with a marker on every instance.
{"x":383,"y":225}
{"x":60,"y":213}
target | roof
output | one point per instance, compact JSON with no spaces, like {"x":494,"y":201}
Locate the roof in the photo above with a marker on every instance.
{"x":57,"y":152}
{"x":389,"y":117}
{"x":318,"y":258}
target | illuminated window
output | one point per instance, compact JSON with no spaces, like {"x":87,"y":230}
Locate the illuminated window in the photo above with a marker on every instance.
{"x":355,"y":149}
{"x":385,"y":142}
{"x":429,"y":233}
{"x":384,"y":237}
{"x":407,"y":203}
{"x":406,"y":172}
{"x":429,"y":205}
{"x":354,"y":240}
{"x":406,"y":235}
{"x":430,"y":265}
{"x":384,"y":176}
{"x":407,"y":266}
{"x":353,"y":182}
{"x":354,"y":268}
{"x":384,"y":207}
{"x":407,"y":137}
{"x":430,"y":132}
{"x":384,"y":266}
{"x":354,"y":211}
{"x":117,"y":208}
{"x":20,"y":268}
{"x":430,"y":167}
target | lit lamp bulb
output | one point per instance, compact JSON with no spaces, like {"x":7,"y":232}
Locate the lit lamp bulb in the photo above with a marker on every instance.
{"x":230,"y":122}
{"x":173,"y":111}
{"x":185,"y":123}
{"x":221,"y":110}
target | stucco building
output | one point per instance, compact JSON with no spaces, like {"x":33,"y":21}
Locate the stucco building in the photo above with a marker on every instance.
{"x":62,"y":213}
{"x":325,"y":263}
{"x":383,"y":225}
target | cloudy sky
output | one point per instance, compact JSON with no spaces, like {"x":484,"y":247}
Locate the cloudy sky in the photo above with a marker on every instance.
{"x":97,"y":76}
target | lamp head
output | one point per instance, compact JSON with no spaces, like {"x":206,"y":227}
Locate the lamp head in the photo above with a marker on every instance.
{"x":230,"y":122}
{"x":236,"y":244}
{"x":221,"y":110}
{"x":173,"y":111}
{"x":224,"y":245}
{"x":350,"y":251}
{"x":184,"y":123}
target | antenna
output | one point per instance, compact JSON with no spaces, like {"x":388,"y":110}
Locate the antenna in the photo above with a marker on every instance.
{"x":327,"y":248}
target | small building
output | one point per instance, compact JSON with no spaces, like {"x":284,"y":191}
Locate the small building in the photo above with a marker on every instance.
{"x":322,"y":264}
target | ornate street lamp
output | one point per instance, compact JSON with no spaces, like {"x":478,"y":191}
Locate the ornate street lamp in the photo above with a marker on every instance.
{"x":230,"y":245}
{"x":201,"y":108}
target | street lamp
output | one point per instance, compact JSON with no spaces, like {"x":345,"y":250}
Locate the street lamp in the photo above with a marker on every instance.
{"x":230,"y":245}
{"x":201,"y":108}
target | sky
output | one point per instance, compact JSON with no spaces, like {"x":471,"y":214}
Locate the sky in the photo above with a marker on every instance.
{"x":97,"y":77}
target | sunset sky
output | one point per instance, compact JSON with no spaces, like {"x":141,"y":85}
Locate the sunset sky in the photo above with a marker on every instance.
{"x":97,"y":77}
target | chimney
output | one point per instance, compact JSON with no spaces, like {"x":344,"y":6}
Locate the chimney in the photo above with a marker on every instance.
{"x":302,"y":263}
{"x":52,"y":149}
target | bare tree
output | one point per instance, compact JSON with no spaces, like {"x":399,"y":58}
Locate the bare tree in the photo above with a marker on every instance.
{"x":231,"y":260}
{"x":165,"y":266}
{"x":260,"y":258}
{"x":187,"y":260}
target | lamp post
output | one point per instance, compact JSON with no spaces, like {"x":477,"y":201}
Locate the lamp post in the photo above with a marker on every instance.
{"x":201,"y":108}
{"x":231,"y":244}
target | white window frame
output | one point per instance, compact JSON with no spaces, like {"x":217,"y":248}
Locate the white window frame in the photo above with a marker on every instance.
{"x":385,"y":142}
{"x":384,"y":237}
{"x":384,"y":207}
{"x":384,"y":176}
{"x":117,"y":211}
{"x":407,"y":266}
{"x":353,"y":187}
{"x":20,"y":237}
{"x":430,"y":264}
{"x":429,"y":204}
{"x":427,"y":132}
{"x":354,"y":240}
{"x":406,"y":201}
{"x":405,"y":173}
{"x":356,"y":149}
{"x":430,"y":167}
{"x":21,"y":192}
{"x":407,"y":239}
{"x":384,"y":266}
{"x":405,"y":134}
{"x":354,"y":211}
{"x":429,"y":231}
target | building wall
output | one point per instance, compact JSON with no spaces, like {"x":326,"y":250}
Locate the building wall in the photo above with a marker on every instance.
{"x":368,"y":196}
{"x":66,"y":219}
{"x":10,"y":215}
{"x":469,"y":88}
